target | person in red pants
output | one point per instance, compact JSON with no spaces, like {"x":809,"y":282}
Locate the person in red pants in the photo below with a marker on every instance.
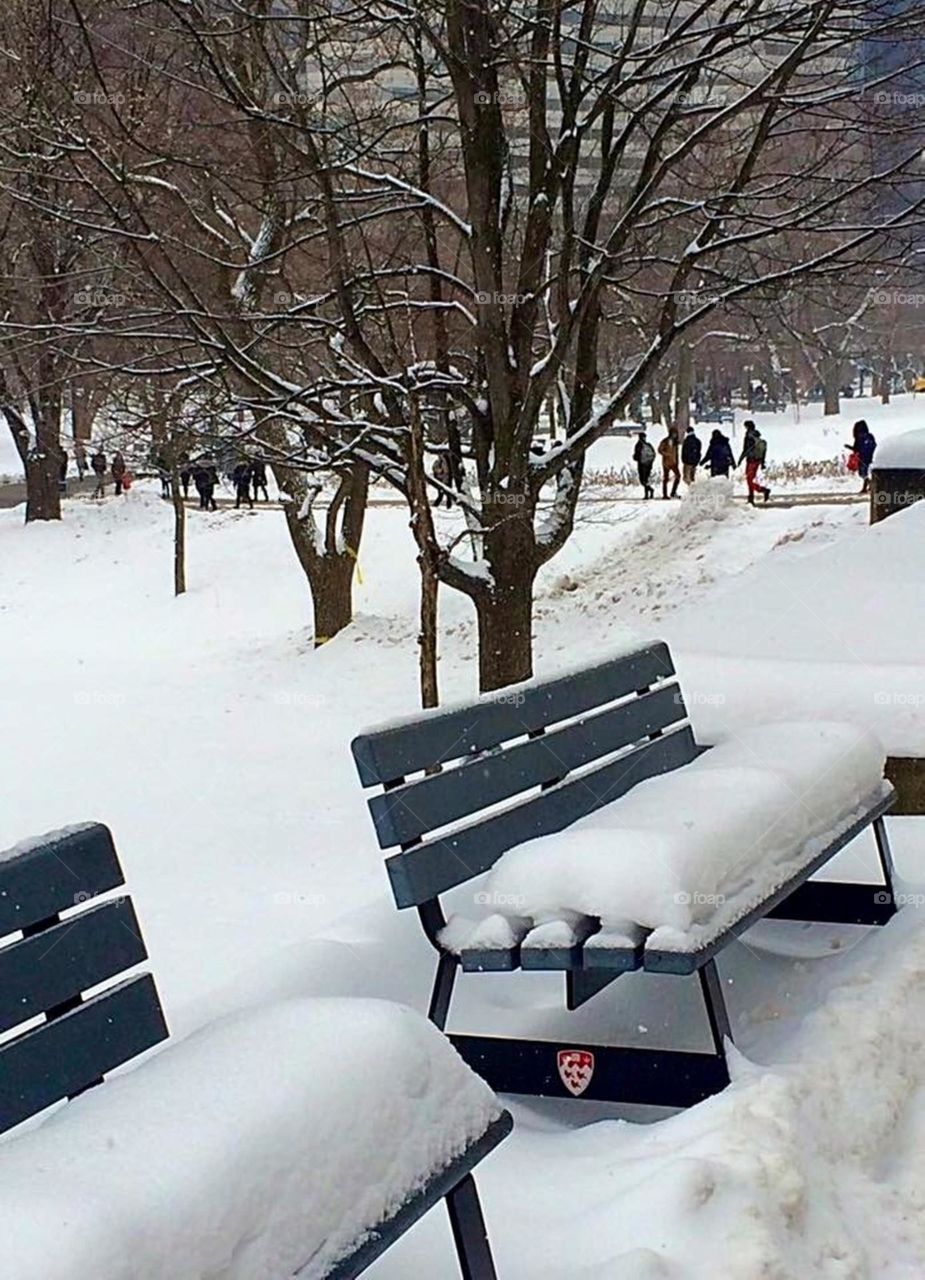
{"x":754,"y":452}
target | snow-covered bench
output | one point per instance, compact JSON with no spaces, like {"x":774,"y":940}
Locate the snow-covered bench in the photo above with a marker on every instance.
{"x":621,"y":844}
{"x":301,"y":1138}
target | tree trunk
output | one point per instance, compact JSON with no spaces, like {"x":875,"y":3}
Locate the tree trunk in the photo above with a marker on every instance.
{"x":886,"y":377}
{"x":179,"y":532}
{"x":43,"y":497}
{"x":830,"y":387}
{"x":427,"y":640}
{"x":505,"y":621}
{"x":425,"y":535}
{"x":331,"y":579}
{"x":682,"y":396}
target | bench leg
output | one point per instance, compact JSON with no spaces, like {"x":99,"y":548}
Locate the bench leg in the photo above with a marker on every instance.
{"x":468,"y":1226}
{"x":712,"y":987}
{"x":442,"y":993}
{"x":885,"y":855}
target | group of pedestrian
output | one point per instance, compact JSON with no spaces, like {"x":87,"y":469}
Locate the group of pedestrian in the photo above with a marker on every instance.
{"x":117,"y":470}
{"x":249,"y":477}
{"x":681,"y":458}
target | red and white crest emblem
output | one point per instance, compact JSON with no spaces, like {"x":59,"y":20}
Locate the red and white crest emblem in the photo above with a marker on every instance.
{"x":576,"y":1067}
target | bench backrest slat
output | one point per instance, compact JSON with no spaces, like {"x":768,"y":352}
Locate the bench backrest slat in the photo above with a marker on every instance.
{"x":406,"y":812}
{"x":55,"y":872}
{"x":429,"y":869}
{"x":60,"y":1058}
{"x":48,"y":963}
{"x":53,"y":966}
{"x":389,"y":754}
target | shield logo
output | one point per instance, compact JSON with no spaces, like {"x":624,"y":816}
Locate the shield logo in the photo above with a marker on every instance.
{"x":576,"y":1067}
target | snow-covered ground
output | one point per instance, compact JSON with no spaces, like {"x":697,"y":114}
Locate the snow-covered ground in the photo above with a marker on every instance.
{"x":214,"y":741}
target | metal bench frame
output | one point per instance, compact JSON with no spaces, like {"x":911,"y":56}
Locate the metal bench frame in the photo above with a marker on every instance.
{"x":46,"y":972}
{"x":551,"y":752}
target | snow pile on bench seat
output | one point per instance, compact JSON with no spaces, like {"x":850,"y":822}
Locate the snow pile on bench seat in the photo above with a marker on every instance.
{"x":676,"y":847}
{"x":264,"y":1142}
{"x":902,"y":452}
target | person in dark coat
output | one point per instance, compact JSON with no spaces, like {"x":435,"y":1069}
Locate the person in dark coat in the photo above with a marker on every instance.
{"x":644,"y":457}
{"x":719,"y":456}
{"x":205,"y":479}
{"x":242,"y":485}
{"x":186,"y":473}
{"x":691,"y":453}
{"x":118,"y":471}
{"x":865,"y":446}
{"x":98,"y":463}
{"x":259,"y":480}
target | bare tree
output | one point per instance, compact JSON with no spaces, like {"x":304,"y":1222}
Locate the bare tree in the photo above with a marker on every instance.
{"x":456,"y":197}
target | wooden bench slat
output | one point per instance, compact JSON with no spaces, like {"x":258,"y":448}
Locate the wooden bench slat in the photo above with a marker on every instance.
{"x":54,"y":872}
{"x":404,"y":813}
{"x":537,"y":953}
{"x":49,"y":968}
{"x":430,"y":868}
{"x":394,"y":752}
{"x":64,"y":1056}
{"x":490,"y":959}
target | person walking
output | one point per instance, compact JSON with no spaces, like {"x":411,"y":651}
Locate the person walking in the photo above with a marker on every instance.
{"x":204,"y":478}
{"x":98,"y":463}
{"x":719,"y":456}
{"x":241,"y":476}
{"x":668,"y":451}
{"x":644,"y":457}
{"x":118,"y":471}
{"x":864,"y":448}
{"x":754,"y":452}
{"x":691,"y":453}
{"x":259,"y":479}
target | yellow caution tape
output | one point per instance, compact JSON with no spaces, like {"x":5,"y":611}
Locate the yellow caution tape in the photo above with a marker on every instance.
{"x":356,"y":558}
